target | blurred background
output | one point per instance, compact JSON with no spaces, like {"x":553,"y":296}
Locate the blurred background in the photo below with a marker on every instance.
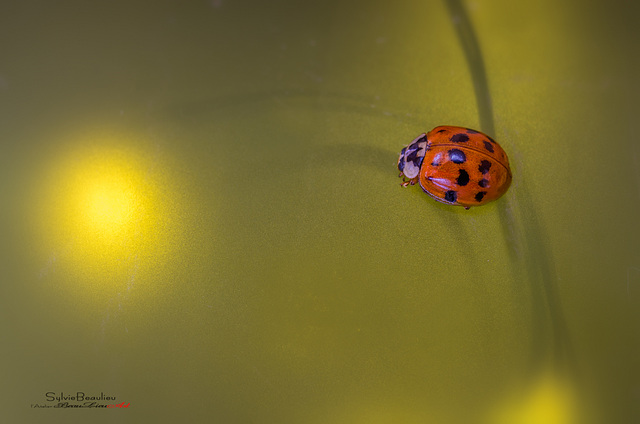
{"x":200,"y":214}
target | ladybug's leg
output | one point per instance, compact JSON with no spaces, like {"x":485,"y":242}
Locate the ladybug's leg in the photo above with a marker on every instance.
{"x":406,"y":183}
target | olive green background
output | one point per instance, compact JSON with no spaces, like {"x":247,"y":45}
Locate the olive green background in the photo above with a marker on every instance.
{"x":271,"y":268}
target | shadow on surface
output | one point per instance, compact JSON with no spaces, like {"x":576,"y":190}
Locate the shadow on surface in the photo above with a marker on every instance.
{"x":530,"y":257}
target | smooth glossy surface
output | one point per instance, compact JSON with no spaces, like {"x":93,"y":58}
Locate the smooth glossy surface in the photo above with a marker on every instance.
{"x":261,"y":263}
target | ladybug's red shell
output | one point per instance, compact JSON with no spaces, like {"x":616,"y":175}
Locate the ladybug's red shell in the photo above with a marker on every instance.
{"x":457,"y":165}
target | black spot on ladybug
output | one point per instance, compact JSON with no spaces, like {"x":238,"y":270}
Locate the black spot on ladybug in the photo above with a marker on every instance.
{"x":484,"y":167}
{"x":442,"y":130}
{"x":463,"y":178}
{"x":457,"y":156}
{"x":470,"y":131}
{"x":451,"y":196}
{"x":483,"y":183}
{"x":459,"y":138}
{"x":480,"y":195}
{"x":435,"y":164}
{"x":488,"y":146}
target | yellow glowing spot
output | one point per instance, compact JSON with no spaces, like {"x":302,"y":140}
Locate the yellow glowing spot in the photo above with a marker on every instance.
{"x":549,"y":401}
{"x":103,"y":211}
{"x":110,"y":205}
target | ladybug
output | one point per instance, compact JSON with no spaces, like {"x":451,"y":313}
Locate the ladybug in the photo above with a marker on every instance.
{"x":457,"y":166}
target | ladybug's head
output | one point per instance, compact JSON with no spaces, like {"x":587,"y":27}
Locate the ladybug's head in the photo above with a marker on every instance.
{"x":411,"y":157}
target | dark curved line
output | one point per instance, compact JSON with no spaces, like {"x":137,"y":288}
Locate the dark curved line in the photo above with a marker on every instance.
{"x":538,"y":265}
{"x":473,"y":54}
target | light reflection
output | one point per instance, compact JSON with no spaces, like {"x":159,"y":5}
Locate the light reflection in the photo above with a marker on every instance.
{"x":101,"y":211}
{"x":550,"y":400}
{"x":107,"y":205}
{"x":111,"y":205}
